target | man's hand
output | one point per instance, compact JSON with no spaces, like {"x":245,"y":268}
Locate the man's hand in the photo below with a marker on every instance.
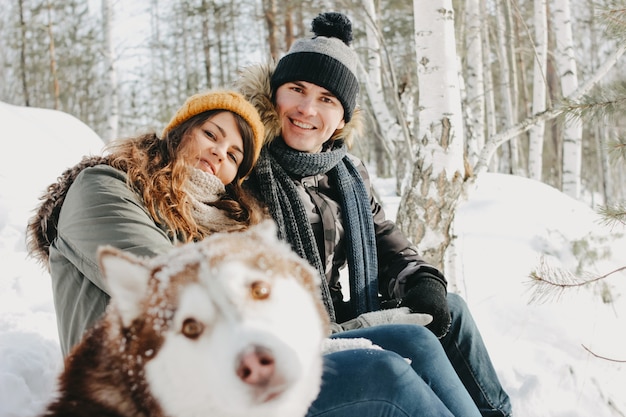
{"x":428,"y":296}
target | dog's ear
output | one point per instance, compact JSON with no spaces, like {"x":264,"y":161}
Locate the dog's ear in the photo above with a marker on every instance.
{"x":127,"y":278}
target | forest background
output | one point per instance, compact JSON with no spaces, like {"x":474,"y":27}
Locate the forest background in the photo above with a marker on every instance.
{"x":450,"y":89}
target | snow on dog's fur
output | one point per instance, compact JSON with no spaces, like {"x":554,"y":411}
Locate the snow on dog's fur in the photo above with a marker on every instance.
{"x":231,"y":326}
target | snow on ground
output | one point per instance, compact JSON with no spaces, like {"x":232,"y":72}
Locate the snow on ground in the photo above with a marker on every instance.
{"x":503,"y":230}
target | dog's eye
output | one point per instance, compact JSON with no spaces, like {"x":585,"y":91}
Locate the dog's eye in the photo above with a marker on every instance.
{"x":192,"y":328}
{"x":260,"y":290}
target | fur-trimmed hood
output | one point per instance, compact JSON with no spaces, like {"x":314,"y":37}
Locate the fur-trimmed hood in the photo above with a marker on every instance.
{"x":42,"y":226}
{"x":254,"y":84}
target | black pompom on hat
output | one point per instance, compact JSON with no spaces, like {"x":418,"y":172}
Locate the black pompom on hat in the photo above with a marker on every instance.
{"x":325,"y":60}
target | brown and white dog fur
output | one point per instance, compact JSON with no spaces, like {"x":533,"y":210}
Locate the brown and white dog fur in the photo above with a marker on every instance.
{"x":228,"y":327}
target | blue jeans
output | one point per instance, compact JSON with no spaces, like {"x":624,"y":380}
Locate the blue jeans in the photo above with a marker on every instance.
{"x":467,"y":352}
{"x":374,"y":383}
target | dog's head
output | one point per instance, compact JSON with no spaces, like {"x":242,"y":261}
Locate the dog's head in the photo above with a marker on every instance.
{"x":229,"y":326}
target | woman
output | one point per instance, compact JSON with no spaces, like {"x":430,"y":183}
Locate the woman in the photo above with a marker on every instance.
{"x":149,"y":193}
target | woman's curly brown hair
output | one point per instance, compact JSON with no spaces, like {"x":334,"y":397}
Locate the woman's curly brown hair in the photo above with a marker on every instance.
{"x":157,"y":171}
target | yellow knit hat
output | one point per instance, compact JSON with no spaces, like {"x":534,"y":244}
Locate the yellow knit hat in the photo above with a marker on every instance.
{"x":225,"y":100}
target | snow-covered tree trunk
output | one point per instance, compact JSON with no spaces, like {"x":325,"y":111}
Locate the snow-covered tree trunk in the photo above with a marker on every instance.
{"x":474,"y":80}
{"x":112,"y":98}
{"x":568,"y":72}
{"x":428,"y":204}
{"x":535,"y":146}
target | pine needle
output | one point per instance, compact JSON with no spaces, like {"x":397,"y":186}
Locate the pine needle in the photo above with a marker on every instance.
{"x":617,"y":149}
{"x":613,"y":215}
{"x":548,"y":283}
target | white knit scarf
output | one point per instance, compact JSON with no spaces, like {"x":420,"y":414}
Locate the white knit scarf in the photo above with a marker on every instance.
{"x":203,"y":188}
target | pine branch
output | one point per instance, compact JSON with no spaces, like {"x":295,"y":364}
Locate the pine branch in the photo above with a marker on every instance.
{"x":549,"y":283}
{"x":601,"y":104}
{"x":617,"y":149}
{"x":613,"y":215}
{"x":614,"y":18}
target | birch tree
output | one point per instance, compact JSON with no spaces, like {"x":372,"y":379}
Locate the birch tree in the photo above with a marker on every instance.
{"x":475,"y":85}
{"x":568,"y":72}
{"x":490,"y":105}
{"x":391,"y":124}
{"x":509,"y":162}
{"x":504,"y":136}
{"x":428,"y":204}
{"x":53,"y":59}
{"x":535,"y":146}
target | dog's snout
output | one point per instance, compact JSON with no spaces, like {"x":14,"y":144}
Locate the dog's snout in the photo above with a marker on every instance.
{"x":256,"y":366}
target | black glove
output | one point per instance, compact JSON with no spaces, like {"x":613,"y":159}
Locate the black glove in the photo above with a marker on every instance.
{"x":428,"y":295}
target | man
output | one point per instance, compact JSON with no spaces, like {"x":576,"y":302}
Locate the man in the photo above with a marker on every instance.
{"x":320,"y":197}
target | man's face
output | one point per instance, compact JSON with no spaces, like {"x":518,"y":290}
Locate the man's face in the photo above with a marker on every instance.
{"x":309,"y":115}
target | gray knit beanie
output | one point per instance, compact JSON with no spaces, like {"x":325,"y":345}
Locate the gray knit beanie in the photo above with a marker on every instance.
{"x":325,"y":60}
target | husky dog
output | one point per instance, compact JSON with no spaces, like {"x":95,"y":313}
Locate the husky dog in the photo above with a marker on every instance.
{"x":228,"y":327}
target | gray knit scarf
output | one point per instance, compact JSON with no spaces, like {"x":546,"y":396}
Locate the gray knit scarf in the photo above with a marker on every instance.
{"x":274,"y":171}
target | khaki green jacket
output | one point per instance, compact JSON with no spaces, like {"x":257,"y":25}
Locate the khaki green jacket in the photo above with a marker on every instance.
{"x":98,"y":209}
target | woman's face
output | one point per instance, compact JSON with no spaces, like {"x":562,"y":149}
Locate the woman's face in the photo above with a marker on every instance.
{"x":216,"y":146}
{"x":309,"y":115}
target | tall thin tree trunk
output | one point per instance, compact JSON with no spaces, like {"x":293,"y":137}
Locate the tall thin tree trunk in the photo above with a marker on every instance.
{"x":475,"y":85}
{"x":509,"y":161}
{"x":184,"y":34}
{"x":23,"y":54}
{"x":160,"y":80}
{"x":53,"y":62}
{"x":221,"y":48}
{"x":270,"y":12}
{"x":112,"y":99}
{"x":490,"y":105}
{"x":206,"y":41}
{"x":234,"y":41}
{"x":289,"y":37}
{"x":513,"y":90}
{"x":535,"y":146}
{"x":397,"y":139}
{"x":523,"y":95}
{"x":568,"y":73}
{"x":607,"y":184}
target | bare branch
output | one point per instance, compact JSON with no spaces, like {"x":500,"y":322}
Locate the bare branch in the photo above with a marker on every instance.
{"x":602,"y":357}
{"x":497,"y":140}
